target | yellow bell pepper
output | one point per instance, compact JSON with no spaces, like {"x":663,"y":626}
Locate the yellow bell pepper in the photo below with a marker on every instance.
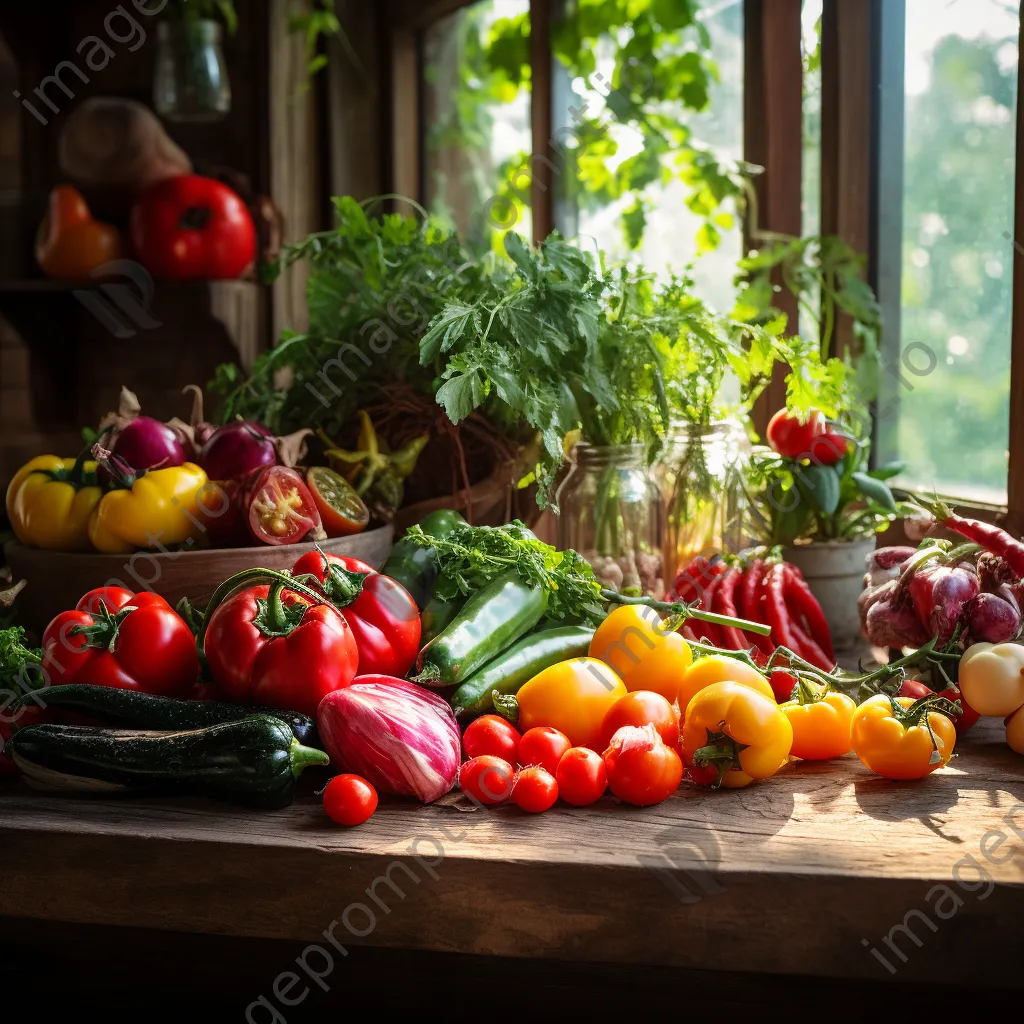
{"x":572,"y":697}
{"x":158,"y":510}
{"x":50,"y":500}
{"x":899,"y":743}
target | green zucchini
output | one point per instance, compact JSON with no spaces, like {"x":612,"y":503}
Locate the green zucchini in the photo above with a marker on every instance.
{"x":491,"y":620}
{"x":519,"y":664}
{"x":437,"y":614}
{"x":130,"y":709}
{"x":414,"y":566}
{"x":254,"y":761}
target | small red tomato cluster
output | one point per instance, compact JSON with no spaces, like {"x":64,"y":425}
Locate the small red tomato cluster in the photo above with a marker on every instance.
{"x":640,"y":764}
{"x":814,"y":439}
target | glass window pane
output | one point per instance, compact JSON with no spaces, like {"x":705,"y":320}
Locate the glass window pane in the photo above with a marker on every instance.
{"x":947,"y":416}
{"x":629,"y":93}
{"x":477,"y":118}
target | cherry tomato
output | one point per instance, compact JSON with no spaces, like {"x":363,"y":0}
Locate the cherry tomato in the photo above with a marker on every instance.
{"x":534,"y":790}
{"x":581,"y":776}
{"x":349,"y":799}
{"x":968,"y":717}
{"x":342,"y":511}
{"x":492,"y":734}
{"x":829,"y":448}
{"x":486,"y":779}
{"x":914,"y":688}
{"x":791,"y":438}
{"x":642,"y":770}
{"x":782,"y":684}
{"x":544,"y":746}
{"x":642,"y":707}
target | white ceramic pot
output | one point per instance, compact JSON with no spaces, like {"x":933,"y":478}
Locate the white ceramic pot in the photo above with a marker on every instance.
{"x":834,"y":570}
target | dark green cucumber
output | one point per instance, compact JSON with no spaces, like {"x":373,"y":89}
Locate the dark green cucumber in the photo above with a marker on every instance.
{"x":519,"y":664}
{"x":415,"y":567}
{"x":437,"y":614}
{"x":130,"y":709}
{"x":492,"y":620}
{"x":254,"y":761}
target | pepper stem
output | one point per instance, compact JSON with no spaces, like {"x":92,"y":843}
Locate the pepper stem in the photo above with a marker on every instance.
{"x":304,"y":757}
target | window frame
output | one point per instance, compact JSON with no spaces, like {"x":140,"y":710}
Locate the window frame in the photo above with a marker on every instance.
{"x":861,"y":154}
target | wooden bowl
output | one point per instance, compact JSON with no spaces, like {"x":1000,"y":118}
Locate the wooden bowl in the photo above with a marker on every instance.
{"x":58,"y":579}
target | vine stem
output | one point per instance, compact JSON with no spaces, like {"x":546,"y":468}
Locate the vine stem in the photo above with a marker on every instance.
{"x":686,"y":611}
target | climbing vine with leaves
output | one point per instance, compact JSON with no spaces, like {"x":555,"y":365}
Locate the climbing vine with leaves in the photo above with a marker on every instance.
{"x":660,"y":52}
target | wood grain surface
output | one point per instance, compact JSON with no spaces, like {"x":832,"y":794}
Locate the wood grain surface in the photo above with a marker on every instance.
{"x":805,"y":873}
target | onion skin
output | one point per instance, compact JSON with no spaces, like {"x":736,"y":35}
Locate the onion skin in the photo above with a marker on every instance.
{"x":398,"y":736}
{"x":236,"y":449}
{"x":146,"y":443}
{"x":992,"y":619}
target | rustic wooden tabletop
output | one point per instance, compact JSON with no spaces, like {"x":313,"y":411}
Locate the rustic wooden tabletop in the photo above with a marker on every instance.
{"x":868,"y":878}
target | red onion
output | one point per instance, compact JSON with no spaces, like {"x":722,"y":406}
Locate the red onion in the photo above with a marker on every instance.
{"x":396,"y":735}
{"x":146,"y":443}
{"x":237,"y":449}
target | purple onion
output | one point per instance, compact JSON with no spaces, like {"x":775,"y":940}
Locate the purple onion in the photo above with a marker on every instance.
{"x":993,"y":619}
{"x":146,"y":443}
{"x":237,"y":449}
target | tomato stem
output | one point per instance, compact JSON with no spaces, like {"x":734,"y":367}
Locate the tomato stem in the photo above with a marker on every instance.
{"x":103,"y":632}
{"x":721,"y":752}
{"x":686,"y":611}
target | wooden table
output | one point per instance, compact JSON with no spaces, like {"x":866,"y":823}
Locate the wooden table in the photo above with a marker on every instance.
{"x":823,"y":870}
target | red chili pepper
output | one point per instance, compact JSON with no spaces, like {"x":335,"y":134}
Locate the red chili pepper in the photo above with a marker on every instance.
{"x":990,"y":537}
{"x":750,"y":602}
{"x":808,"y":648}
{"x":708,"y":630}
{"x":724,"y":604}
{"x":802,"y":603}
{"x":129,"y":641}
{"x":776,"y":611}
{"x":383,"y":616}
{"x":276,"y":647}
{"x":692,"y":582}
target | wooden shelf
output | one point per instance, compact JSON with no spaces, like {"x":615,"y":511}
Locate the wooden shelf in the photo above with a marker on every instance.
{"x":800,"y":869}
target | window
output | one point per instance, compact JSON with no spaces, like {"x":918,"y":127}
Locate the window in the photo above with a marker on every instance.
{"x":477,"y":117}
{"x":945,"y":414}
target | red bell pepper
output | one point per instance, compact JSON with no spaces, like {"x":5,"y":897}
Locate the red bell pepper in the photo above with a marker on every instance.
{"x":278,"y":644}
{"x":129,"y":641}
{"x":380,"y":611}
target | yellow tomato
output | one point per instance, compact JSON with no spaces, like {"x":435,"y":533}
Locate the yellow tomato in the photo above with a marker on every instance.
{"x":573,"y":697}
{"x":716,"y":668}
{"x":897,"y":745}
{"x":992,"y":678}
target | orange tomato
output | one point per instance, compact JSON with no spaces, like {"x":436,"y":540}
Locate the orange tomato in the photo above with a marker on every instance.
{"x":645,"y":657}
{"x":717,"y":668}
{"x":821,"y":729}
{"x":573,"y":697}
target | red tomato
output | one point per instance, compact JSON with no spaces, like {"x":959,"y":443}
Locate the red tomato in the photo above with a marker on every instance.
{"x":791,"y":438}
{"x":829,"y":448}
{"x":381,"y":613}
{"x":486,"y":779}
{"x":281,"y":653}
{"x":968,"y":716}
{"x":341,"y":509}
{"x":192,"y":228}
{"x":278,"y":506}
{"x":782,"y":684}
{"x":492,"y":734}
{"x":544,"y":746}
{"x":642,"y":770}
{"x":349,"y":799}
{"x":534,"y":790}
{"x":641,"y":707}
{"x":581,"y":776}
{"x":131,"y":641}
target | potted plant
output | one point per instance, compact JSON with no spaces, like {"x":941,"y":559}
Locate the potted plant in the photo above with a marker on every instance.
{"x":812,"y":493}
{"x":190,"y":82}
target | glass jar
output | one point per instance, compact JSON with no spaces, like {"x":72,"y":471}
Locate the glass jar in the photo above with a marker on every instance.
{"x":610,"y":512}
{"x":700,"y":473}
{"x":190,"y":83}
